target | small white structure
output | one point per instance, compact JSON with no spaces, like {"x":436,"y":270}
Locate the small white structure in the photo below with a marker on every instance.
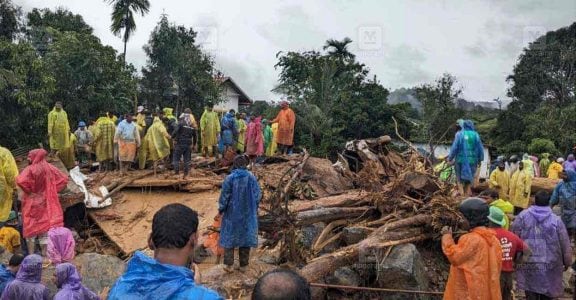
{"x":234,"y":97}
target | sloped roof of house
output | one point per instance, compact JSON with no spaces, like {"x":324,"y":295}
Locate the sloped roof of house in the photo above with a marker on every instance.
{"x":243,"y":99}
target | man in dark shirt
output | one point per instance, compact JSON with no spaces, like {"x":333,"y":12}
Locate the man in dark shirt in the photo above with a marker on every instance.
{"x":185,"y":138}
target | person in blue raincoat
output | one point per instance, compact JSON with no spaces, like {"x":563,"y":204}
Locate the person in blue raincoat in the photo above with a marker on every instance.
{"x":238,"y":208}
{"x":565,"y":195}
{"x":467,"y":152}
{"x":229,"y":132}
{"x":168,"y":275}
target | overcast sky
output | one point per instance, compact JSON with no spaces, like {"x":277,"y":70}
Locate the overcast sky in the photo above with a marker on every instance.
{"x":404,"y":43}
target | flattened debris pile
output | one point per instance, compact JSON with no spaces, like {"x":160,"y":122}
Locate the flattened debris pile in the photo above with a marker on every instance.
{"x":198,"y":180}
{"x":395,"y":203}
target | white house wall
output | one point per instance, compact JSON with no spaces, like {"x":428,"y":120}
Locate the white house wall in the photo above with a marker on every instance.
{"x":231,"y":99}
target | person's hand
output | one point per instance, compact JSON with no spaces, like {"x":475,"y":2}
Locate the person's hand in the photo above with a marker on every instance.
{"x":104,"y":293}
{"x":446,"y":230}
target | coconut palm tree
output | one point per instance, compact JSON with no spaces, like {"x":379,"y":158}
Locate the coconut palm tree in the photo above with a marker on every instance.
{"x":123,"y":17}
{"x":339,"y":48}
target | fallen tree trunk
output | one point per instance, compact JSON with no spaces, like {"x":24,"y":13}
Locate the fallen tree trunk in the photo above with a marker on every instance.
{"x":353,"y":198}
{"x":159,"y":182}
{"x":318,"y":268}
{"x":330,"y":214}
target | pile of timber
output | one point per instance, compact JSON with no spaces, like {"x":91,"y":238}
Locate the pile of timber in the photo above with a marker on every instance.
{"x":409,"y":205}
{"x":198,"y":181}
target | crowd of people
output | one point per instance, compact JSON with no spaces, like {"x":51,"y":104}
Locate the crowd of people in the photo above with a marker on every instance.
{"x":510,"y":235}
{"x":154,"y":138}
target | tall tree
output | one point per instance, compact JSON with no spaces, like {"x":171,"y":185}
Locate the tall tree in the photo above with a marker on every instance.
{"x":339,"y":48}
{"x":123,"y":17}
{"x":9,"y":20}
{"x":175,"y":59}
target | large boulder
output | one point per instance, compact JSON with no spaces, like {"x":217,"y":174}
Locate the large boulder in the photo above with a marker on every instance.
{"x":345,"y":276}
{"x":236,"y":284}
{"x":309,"y":233}
{"x":353,"y":235}
{"x":403,"y":269}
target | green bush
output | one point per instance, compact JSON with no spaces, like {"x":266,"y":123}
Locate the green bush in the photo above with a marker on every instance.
{"x":539,"y":146}
{"x":515,"y":147}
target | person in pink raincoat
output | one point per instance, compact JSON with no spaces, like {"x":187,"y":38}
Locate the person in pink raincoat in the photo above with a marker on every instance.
{"x":61,"y":245}
{"x":254,"y":138}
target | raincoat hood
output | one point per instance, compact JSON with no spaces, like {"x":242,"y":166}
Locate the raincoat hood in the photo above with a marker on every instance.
{"x":571,"y":157}
{"x":67,"y":277}
{"x":487,"y":234}
{"x":168,"y":111}
{"x":145,"y":277}
{"x":468,"y":125}
{"x":540,"y":213}
{"x":61,"y":245}
{"x":525,"y":156}
{"x":31,"y":269}
{"x":545,"y":155}
{"x":460,"y":123}
{"x":37,"y":155}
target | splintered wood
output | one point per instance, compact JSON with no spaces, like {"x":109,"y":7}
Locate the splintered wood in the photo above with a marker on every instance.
{"x":397,"y":200}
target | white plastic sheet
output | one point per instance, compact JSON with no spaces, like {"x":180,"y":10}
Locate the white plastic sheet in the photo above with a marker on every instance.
{"x":90,"y":200}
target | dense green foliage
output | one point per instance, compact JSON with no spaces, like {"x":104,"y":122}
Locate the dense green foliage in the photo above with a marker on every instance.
{"x":544,"y":93}
{"x":57,"y":58}
{"x":176,"y":64}
{"x":334,"y":99}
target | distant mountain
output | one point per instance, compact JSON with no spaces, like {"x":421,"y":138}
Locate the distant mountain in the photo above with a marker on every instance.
{"x":404,"y":95}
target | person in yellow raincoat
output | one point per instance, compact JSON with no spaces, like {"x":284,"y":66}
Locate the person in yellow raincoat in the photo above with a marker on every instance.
{"x":157,"y":141}
{"x":169,"y":113}
{"x":520,"y":185}
{"x":8,"y":173}
{"x":493,"y":198}
{"x":68,"y":155}
{"x":556,"y":168}
{"x":141,"y":117}
{"x":241,"y":126}
{"x":476,"y":260}
{"x":104,"y":142}
{"x":271,"y":150}
{"x":58,"y":129}
{"x":500,"y":179}
{"x":209,"y":130}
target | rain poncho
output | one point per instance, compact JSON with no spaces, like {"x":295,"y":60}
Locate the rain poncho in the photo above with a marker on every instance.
{"x":41,"y":182}
{"x":554,"y":170}
{"x":548,"y":240}
{"x":58,"y":129}
{"x":565,"y":195}
{"x":536,"y":166}
{"x":61,"y":245}
{"x":104,"y":139}
{"x":157,"y":143}
{"x":27,"y":285}
{"x":238,"y":203}
{"x":570,"y":163}
{"x":270,"y":151}
{"x":268,"y":136}
{"x":70,"y":285}
{"x":147,"y":279}
{"x":8,"y":173}
{"x":209,"y":128}
{"x":500,"y":180}
{"x":286,"y":120}
{"x":6,"y":277}
{"x":475,"y":264}
{"x":544,"y":165}
{"x":468,"y":151}
{"x":528,"y":165}
{"x":241,"y":126}
{"x":445,"y":171}
{"x":520,"y":186}
{"x":68,"y":155}
{"x":254,"y":138}
{"x":141,"y":120}
{"x":229,"y":130}
{"x":169,"y":113}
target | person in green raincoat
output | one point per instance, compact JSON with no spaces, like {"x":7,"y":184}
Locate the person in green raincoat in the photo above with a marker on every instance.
{"x":444,"y":170}
{"x":241,"y":126}
{"x":544,"y":165}
{"x":58,"y":129}
{"x":268,"y":136}
{"x":169,"y":114}
{"x":209,"y":130}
